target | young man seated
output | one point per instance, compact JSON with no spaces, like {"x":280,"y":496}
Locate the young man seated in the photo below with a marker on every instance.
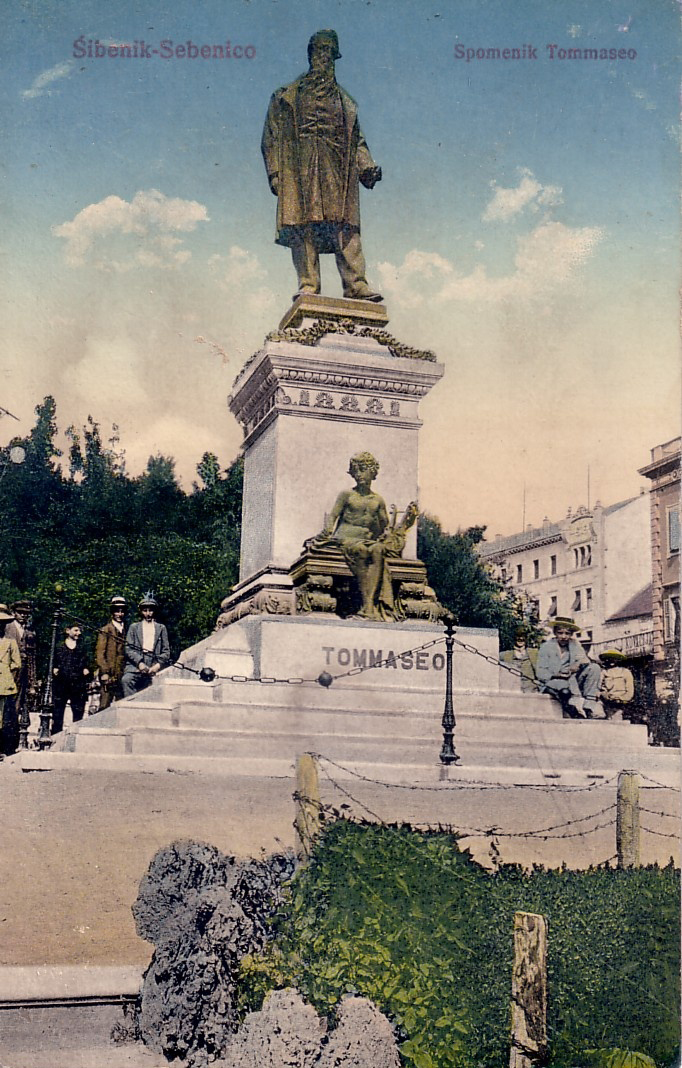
{"x":564,"y":670}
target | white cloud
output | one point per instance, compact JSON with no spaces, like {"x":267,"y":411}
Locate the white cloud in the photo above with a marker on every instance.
{"x":41,"y":84}
{"x":237,"y":267}
{"x":149,"y":221}
{"x":241,"y":272}
{"x":546,"y":260}
{"x":509,"y":202}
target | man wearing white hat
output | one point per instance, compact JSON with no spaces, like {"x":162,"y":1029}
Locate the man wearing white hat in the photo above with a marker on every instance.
{"x":566,"y":672}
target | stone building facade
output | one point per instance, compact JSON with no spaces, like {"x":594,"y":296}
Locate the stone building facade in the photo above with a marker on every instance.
{"x":663,"y":471}
{"x":593,"y":565}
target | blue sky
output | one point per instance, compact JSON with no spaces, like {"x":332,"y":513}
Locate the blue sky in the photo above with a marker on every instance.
{"x":526,"y":229}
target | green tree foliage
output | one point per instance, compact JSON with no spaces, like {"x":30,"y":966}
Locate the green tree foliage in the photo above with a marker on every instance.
{"x":412,"y":922}
{"x":464,"y":583}
{"x":98,"y":532}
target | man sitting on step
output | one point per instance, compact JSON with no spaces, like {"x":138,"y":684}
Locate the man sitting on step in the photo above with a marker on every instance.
{"x":564,"y":671}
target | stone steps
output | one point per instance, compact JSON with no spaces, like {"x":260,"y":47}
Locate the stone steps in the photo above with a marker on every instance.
{"x":584,"y":745}
{"x":409,"y":726}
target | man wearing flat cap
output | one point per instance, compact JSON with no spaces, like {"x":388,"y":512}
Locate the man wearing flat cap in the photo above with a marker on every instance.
{"x":565,"y":671}
{"x":110,"y":653}
{"x":315,"y":156}
{"x":147,"y":649}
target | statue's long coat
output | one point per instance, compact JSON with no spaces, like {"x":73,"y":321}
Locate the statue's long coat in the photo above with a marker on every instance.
{"x":280,"y":147}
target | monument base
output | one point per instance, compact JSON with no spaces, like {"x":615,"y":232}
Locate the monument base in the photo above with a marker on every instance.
{"x":333,"y":309}
{"x":379,"y":714}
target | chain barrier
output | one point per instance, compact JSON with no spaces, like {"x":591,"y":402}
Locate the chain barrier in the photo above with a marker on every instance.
{"x":657,"y":785}
{"x":653,"y":812}
{"x":660,"y":834}
{"x":539,"y":833}
{"x":474,"y":784}
{"x":497,"y":663}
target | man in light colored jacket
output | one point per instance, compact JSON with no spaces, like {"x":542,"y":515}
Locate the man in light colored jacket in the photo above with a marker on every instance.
{"x":565,"y":671}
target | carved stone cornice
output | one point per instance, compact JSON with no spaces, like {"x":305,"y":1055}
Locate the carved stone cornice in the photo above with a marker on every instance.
{"x":374,"y":383}
{"x":348,"y":384}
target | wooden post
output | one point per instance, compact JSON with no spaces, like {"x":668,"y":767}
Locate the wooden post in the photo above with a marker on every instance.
{"x":529,"y":992}
{"x":627,"y":820}
{"x":307,"y":819}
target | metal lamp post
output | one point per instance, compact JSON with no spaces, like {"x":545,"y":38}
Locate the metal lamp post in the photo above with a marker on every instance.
{"x":447,"y":754}
{"x":47,"y":704}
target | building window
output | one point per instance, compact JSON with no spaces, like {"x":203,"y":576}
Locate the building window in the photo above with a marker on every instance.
{"x":519,"y":572}
{"x":536,"y":569}
{"x":588,"y":598}
{"x":552,"y":565}
{"x":503,"y":574}
{"x":577,"y":601}
{"x":553,"y":610}
{"x":582,"y":556}
{"x":673,"y":531}
{"x":671,"y":618}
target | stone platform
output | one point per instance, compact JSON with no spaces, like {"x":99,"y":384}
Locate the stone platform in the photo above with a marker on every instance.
{"x":266,"y":707}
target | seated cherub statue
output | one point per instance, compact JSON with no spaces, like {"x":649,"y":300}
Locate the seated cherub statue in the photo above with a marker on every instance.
{"x":359,"y":525}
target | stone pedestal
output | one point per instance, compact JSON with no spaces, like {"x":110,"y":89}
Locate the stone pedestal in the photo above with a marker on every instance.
{"x":330,"y":382}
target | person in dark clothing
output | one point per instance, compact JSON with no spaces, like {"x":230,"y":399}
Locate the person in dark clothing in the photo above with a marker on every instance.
{"x":70,"y":676}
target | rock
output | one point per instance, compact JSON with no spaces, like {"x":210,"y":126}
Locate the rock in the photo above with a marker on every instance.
{"x":204,"y":912}
{"x":286,"y":1033}
{"x":363,"y":1038}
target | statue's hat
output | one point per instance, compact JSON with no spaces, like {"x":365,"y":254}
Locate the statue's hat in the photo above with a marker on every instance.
{"x":325,"y":35}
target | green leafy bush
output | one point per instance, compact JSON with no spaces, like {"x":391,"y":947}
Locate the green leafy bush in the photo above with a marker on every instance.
{"x":410,"y":921}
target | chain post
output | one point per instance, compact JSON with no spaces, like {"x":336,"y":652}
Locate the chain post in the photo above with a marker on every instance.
{"x":25,"y":699}
{"x":47,"y":703}
{"x":447,"y":754}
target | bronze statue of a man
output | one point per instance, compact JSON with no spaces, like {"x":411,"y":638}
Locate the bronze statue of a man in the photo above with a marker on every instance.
{"x":315,"y":155}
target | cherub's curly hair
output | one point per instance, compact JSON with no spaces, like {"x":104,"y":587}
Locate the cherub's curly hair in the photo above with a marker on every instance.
{"x":367,"y":460}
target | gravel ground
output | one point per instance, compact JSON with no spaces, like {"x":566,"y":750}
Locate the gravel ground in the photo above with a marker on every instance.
{"x":74,"y":844}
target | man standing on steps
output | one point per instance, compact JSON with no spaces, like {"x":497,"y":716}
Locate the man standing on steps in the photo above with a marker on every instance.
{"x":564,"y":671}
{"x":315,"y":156}
{"x":110,"y":653}
{"x":147,"y":649}
{"x":18,"y":709}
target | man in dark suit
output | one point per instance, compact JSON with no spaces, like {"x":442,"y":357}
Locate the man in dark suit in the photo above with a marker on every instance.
{"x":147,"y":649}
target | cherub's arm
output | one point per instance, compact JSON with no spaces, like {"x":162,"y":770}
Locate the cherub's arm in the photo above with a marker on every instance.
{"x":334,"y":517}
{"x":333,"y":520}
{"x":382,"y":515}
